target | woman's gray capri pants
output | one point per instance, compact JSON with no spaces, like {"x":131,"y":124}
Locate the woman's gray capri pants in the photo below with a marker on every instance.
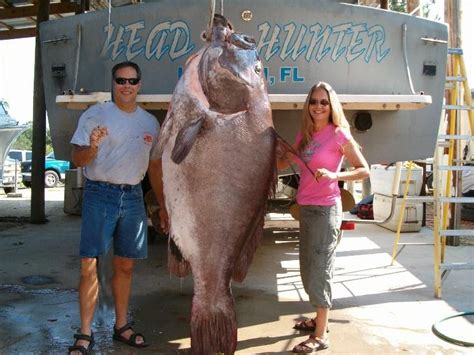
{"x":319,"y":228}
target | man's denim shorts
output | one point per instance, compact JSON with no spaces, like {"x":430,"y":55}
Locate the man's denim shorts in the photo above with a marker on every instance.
{"x":113,"y":213}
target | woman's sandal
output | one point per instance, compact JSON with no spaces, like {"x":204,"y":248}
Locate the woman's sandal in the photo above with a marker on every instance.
{"x":132,"y":341}
{"x":81,"y":348}
{"x":308,"y":324}
{"x":311,"y":345}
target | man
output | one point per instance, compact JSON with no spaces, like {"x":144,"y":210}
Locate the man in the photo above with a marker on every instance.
{"x":113,"y":141}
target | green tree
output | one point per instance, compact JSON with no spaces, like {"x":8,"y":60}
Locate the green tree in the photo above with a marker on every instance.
{"x":401,"y":6}
{"x":398,"y":5}
{"x":25,"y":140}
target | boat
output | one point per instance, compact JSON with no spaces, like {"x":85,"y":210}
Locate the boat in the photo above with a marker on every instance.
{"x":389,"y":68}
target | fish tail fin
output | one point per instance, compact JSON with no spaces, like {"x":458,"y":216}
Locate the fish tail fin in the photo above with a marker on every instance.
{"x":177,"y":265}
{"x":213,"y":326}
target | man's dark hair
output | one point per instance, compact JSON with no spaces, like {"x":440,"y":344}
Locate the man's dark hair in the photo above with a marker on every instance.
{"x":125,"y":65}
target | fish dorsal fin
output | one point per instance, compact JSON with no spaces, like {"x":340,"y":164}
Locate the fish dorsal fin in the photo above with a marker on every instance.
{"x":185,"y":140}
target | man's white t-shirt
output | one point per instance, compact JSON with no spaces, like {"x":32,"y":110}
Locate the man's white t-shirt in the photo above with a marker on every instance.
{"x":124,"y":154}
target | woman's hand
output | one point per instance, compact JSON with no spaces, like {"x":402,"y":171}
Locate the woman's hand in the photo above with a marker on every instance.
{"x":325,"y":174}
{"x":282,"y":160}
{"x":280,"y":151}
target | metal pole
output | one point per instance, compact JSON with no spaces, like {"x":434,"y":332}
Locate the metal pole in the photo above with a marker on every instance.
{"x":16,"y":177}
{"x":39,"y":125}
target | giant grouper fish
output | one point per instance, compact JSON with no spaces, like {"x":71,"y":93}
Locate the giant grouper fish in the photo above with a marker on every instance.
{"x":217,"y":146}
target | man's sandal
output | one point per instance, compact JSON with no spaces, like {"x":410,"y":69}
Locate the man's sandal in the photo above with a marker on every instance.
{"x":81,"y":348}
{"x":308,"y":324}
{"x":310,"y":345}
{"x":132,"y":341}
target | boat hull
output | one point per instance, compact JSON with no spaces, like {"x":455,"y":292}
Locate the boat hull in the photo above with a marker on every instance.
{"x":358,"y":50}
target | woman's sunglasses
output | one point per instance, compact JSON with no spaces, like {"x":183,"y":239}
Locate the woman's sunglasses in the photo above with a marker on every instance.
{"x":131,"y":81}
{"x":323,"y":102}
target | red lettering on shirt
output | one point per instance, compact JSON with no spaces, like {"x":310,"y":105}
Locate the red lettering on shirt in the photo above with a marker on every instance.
{"x":148,"y":138}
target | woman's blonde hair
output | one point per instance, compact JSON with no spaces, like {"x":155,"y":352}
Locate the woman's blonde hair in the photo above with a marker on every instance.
{"x":337,"y":116}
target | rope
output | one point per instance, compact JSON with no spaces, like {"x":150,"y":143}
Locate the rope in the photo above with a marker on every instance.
{"x":110,"y":12}
{"x":293,"y":151}
{"x":212,"y":11}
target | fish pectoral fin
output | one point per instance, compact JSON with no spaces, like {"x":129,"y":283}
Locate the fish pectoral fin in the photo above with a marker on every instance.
{"x":185,"y":140}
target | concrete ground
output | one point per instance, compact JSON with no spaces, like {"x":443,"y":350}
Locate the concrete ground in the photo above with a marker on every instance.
{"x":378,"y":308}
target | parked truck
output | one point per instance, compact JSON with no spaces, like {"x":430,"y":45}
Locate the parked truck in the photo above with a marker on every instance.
{"x":54,"y":171}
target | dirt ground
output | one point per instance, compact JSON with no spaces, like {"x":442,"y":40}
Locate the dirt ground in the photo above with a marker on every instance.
{"x":17,"y":210}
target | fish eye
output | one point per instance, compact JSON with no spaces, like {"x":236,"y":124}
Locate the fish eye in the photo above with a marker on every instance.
{"x":258,"y":69}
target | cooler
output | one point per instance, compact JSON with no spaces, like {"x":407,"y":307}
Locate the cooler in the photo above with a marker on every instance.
{"x":412,"y":217}
{"x":381,"y":180}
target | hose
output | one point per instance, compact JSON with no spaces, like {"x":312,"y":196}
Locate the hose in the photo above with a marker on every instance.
{"x":438,"y":333}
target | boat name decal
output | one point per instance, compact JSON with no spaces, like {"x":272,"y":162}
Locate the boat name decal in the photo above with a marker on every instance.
{"x":346,"y":41}
{"x":172,"y":38}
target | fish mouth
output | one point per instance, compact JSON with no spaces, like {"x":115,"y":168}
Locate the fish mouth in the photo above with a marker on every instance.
{"x":242,"y":41}
{"x":241,"y":62}
{"x":244,"y":78}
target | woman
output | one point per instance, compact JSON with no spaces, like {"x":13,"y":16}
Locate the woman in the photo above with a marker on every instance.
{"x":322,"y":144}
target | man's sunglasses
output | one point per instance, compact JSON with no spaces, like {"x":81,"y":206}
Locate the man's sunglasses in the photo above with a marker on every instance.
{"x":323,"y":102}
{"x":131,"y":81}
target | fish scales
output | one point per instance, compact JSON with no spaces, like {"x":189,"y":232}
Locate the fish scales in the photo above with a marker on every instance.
{"x":217,"y":146}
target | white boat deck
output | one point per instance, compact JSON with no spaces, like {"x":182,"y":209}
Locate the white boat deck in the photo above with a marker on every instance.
{"x":277,"y":101}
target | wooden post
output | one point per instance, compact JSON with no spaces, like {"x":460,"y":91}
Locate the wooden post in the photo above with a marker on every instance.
{"x":412,"y":5}
{"x":39,"y":125}
{"x":84,"y":6}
